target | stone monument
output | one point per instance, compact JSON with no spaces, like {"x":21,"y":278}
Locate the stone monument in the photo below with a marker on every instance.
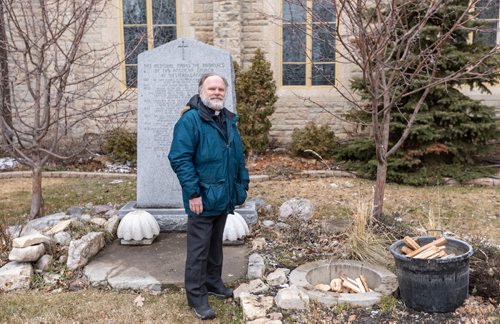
{"x":167,"y":78}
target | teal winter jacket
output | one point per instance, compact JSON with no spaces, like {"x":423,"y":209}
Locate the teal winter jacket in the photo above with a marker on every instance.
{"x":208,"y":163}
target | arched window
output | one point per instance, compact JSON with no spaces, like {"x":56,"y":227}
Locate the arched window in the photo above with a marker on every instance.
{"x":146,"y":24}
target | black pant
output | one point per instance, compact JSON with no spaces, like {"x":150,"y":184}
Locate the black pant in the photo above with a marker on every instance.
{"x":204,"y":257}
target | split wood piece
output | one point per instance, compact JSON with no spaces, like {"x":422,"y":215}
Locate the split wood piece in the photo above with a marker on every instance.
{"x":346,"y":278}
{"x":361,"y":286}
{"x":430,"y":252}
{"x":406,"y":250}
{"x":436,"y":243}
{"x":350,"y":286}
{"x":365,"y":284}
{"x":336,"y":285}
{"x":411,"y":243}
{"x":440,"y":255}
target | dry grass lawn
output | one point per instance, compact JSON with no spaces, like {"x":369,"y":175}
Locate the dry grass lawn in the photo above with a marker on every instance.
{"x":463,"y":210}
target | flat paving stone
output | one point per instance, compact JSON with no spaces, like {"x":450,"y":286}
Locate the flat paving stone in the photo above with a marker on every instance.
{"x":156,"y":266}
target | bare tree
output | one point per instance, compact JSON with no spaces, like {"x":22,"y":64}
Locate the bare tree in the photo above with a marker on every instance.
{"x":57,"y":80}
{"x":4,"y":75}
{"x":385,"y":41}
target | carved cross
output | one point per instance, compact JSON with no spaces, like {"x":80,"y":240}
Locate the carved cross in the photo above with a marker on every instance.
{"x":182,"y":46}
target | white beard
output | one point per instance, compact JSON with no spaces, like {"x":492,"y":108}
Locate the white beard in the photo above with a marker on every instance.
{"x":214,"y":104}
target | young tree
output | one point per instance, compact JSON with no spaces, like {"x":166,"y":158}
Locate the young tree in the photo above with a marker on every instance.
{"x":59,"y":80}
{"x":400,"y":48}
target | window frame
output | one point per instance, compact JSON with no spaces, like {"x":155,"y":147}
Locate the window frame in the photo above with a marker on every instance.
{"x":150,"y":37}
{"x":309,"y":50}
{"x":497,"y":19}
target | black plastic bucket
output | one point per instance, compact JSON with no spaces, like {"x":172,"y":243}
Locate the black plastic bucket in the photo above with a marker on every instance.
{"x":435,"y":285}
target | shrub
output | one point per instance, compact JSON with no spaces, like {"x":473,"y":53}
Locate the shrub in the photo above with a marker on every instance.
{"x":256,"y":96}
{"x":121,"y":145}
{"x":321,"y":140}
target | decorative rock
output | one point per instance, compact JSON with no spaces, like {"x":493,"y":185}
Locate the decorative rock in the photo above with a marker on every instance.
{"x":263,"y":321}
{"x":111,"y":213}
{"x":112,"y":224}
{"x":98,"y":221}
{"x":276,"y":278}
{"x":255,"y":287}
{"x":80,"y":251}
{"x":15,"y":275}
{"x":46,"y":221}
{"x":102,"y":209}
{"x":62,"y":238}
{"x":268,"y":223}
{"x":258,"y":243}
{"x":75,"y":211}
{"x":275,"y":316}
{"x":63,"y":258}
{"x":85,"y":218}
{"x":348,"y":184}
{"x":334,"y":185}
{"x":19,"y":230}
{"x":300,"y":207}
{"x":59,"y":227}
{"x":51,"y":278}
{"x":44,"y":262}
{"x":236,"y":227}
{"x":29,"y":240}
{"x":292,"y":298}
{"x":256,"y":267}
{"x":322,"y":287}
{"x":285,"y":270}
{"x":27,"y":254}
{"x":138,"y":225}
{"x":255,"y":306}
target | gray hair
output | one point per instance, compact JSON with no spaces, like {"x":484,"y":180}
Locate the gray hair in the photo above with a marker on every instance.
{"x":208,"y":75}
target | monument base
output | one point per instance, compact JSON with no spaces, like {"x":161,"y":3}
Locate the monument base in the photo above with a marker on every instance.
{"x":175,"y":219}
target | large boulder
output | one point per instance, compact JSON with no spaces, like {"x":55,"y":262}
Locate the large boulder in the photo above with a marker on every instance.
{"x":15,"y":275}
{"x":298,"y":207}
{"x":292,"y":298}
{"x":27,"y":254}
{"x":80,"y":251}
{"x":29,"y":240}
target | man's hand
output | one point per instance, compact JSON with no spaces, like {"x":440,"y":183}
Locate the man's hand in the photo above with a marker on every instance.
{"x":196,"y":205}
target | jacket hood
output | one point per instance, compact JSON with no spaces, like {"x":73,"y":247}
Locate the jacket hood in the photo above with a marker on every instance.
{"x":196,"y":103}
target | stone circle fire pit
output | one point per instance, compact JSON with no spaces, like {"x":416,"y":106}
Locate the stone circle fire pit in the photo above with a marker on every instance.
{"x":380,"y":280}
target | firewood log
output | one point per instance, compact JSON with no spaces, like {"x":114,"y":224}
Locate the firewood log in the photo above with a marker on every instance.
{"x":411,"y":243}
{"x":435,"y":243}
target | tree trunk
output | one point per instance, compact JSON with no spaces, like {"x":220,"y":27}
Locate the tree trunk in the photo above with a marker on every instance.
{"x":5,"y":111}
{"x":378,"y":196}
{"x":36,"y":193}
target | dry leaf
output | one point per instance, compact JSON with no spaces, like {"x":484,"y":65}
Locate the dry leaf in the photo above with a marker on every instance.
{"x":351,"y":318}
{"x":139,"y":301}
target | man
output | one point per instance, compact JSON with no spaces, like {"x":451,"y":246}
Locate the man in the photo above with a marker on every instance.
{"x":207,"y":156}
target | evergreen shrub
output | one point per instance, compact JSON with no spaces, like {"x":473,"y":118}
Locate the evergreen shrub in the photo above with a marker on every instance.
{"x":320,"y":139}
{"x":255,"y":97}
{"x":121,"y":145}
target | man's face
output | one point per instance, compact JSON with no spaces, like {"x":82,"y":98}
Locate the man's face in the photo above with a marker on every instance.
{"x":213,"y":92}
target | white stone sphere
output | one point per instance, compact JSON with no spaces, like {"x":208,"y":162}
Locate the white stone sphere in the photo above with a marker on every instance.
{"x":236,"y":227}
{"x":138,"y":225}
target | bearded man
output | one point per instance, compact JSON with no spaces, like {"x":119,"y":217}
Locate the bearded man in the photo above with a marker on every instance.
{"x":207,"y":156}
